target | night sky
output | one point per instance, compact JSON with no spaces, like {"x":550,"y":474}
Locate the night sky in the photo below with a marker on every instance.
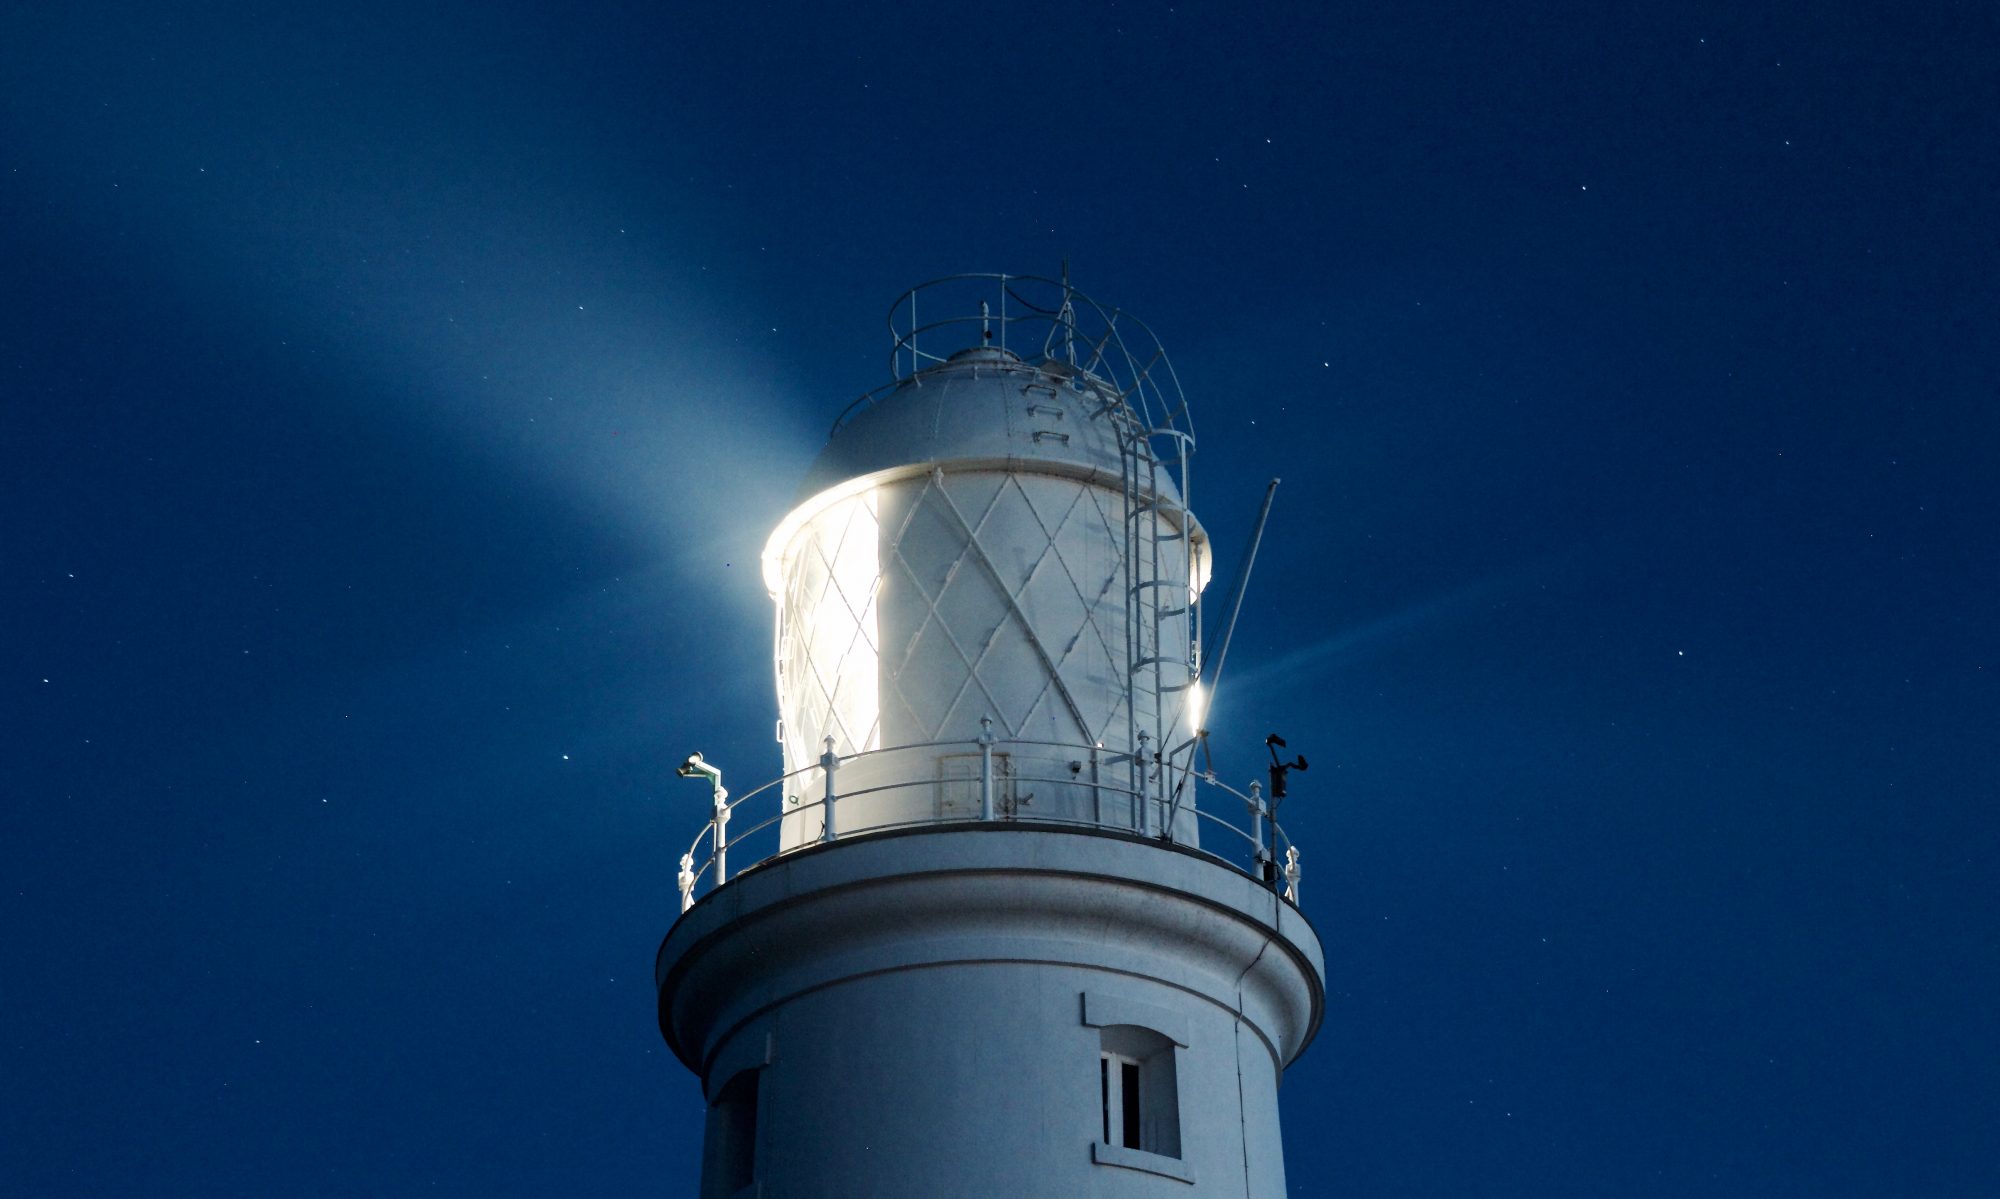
{"x":394,"y":400}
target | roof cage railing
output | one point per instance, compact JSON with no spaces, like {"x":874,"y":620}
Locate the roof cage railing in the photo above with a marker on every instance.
{"x":1048,"y":324}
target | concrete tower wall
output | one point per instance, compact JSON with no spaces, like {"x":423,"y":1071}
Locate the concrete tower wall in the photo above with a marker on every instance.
{"x":943,"y":1032}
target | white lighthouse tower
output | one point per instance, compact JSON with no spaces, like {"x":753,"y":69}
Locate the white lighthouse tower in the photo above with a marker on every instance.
{"x":992,"y":933}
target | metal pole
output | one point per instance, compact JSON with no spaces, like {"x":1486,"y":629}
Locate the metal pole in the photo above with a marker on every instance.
{"x":694,"y":767}
{"x":721,"y":832}
{"x":1096,"y":785}
{"x":1145,"y":817}
{"x":828,"y":763}
{"x":1242,"y":585}
{"x":1256,"y":805}
{"x":986,"y":768}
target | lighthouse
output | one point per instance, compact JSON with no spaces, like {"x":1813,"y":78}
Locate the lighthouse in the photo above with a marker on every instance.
{"x":993,"y":931}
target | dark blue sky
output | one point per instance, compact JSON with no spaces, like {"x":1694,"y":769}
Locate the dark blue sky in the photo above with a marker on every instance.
{"x":396,"y":397}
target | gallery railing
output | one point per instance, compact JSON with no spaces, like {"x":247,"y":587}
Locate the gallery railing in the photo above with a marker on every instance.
{"x":788,"y":820}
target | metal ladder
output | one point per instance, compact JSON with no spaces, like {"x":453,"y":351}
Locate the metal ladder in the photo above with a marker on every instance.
{"x":1159,"y":554}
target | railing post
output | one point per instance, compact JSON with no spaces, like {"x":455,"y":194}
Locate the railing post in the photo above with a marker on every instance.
{"x":1145,"y":791}
{"x":986,"y":768}
{"x":687,"y":881}
{"x":721,"y":820}
{"x":1261,"y":856}
{"x":1292,"y":874}
{"x":828,"y":763}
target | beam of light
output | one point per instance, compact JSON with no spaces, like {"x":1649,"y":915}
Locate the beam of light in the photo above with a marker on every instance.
{"x":543,"y":339}
{"x":1410,"y":621}
{"x":528,"y":300}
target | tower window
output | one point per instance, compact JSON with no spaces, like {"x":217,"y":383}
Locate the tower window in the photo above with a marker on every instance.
{"x":1123,"y":1122}
{"x":1138,"y":1091}
{"x":729,"y":1149}
{"x":1138,"y":1084}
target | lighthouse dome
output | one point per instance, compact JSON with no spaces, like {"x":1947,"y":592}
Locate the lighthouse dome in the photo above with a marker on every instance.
{"x":991,"y":545}
{"x":982,"y":408}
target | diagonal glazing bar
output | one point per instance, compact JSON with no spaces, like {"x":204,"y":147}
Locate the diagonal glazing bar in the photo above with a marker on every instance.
{"x":1027,"y":627}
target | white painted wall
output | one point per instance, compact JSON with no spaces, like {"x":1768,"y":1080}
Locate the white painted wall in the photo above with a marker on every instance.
{"x":916,"y":1004}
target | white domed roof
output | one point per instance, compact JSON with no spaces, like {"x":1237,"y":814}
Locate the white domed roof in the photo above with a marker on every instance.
{"x":983,"y":405}
{"x":984,"y":408}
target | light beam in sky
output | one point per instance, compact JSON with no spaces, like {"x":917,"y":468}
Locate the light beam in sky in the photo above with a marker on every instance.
{"x":1369,"y":636}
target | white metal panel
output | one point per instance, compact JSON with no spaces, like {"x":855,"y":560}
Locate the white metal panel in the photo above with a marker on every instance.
{"x":829,"y":649}
{"x":1030,"y":566}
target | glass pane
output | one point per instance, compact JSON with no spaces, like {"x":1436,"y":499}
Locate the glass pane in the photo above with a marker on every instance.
{"x":1129,"y":1074}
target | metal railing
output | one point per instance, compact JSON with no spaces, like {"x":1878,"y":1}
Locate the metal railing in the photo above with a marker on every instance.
{"x":1044,"y":322}
{"x":1258,"y":845}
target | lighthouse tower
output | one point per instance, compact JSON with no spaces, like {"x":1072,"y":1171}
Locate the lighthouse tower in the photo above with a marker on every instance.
{"x":992,"y":932}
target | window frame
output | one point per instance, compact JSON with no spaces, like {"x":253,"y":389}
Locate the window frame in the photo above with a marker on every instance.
{"x":1139,"y":1125}
{"x":1123,"y":1102}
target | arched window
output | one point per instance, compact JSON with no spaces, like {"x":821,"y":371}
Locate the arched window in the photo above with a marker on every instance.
{"x":729,"y":1143}
{"x":1139,"y":1093}
{"x":1138,"y":1084}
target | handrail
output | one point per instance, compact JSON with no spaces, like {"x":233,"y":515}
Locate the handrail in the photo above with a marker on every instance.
{"x":1272,"y":857}
{"x":1121,"y":357}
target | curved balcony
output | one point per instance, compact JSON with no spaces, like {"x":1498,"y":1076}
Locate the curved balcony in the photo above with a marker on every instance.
{"x":986,"y":781}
